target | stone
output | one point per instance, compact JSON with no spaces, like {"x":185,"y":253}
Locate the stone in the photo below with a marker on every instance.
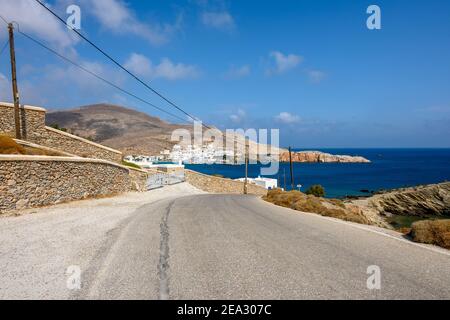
{"x":22,"y":204}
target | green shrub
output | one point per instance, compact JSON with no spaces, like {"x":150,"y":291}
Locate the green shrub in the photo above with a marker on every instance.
{"x":316,"y":190}
{"x":57,"y":127}
{"x":131,"y":165}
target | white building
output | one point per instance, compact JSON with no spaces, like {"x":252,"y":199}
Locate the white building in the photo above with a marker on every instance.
{"x":266,"y":183}
{"x":192,"y":154}
{"x":142,"y":161}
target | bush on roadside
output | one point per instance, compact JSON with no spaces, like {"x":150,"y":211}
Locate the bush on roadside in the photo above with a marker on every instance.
{"x":316,"y":190}
{"x":435,"y":232}
{"x":308,"y":203}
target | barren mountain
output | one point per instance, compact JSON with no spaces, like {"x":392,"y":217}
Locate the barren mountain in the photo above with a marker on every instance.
{"x":127,"y":130}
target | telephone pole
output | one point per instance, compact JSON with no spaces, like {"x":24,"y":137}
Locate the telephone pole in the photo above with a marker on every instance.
{"x":246,"y":166}
{"x":235,"y":158}
{"x":292,"y":169}
{"x":14,"y":82}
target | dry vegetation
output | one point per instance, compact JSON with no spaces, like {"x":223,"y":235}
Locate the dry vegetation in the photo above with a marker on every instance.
{"x":435,"y":232}
{"x":308,"y":203}
{"x":9,"y":146}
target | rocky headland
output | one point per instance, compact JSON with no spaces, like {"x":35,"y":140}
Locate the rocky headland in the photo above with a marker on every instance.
{"x":321,"y":157}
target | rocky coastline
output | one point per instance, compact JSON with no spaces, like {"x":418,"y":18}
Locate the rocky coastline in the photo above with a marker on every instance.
{"x":321,"y":157}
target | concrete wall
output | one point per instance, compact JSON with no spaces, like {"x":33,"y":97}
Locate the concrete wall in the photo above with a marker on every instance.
{"x":35,"y":181}
{"x":220,"y":185}
{"x":34,"y":130}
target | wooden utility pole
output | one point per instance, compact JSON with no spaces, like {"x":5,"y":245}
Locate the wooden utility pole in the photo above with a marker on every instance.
{"x":14,"y":82}
{"x":292,"y":169}
{"x":246,"y":166}
{"x":235,"y":159}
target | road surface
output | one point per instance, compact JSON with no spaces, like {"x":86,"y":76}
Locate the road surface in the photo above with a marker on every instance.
{"x":227,"y":247}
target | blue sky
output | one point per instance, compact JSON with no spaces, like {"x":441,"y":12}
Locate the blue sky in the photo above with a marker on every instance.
{"x":311,"y":68}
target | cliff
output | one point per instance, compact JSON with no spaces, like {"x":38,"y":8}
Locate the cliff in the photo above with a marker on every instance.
{"x":321,"y":157}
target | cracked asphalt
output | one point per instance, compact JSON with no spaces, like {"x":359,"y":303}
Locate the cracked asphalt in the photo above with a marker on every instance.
{"x":205,"y":246}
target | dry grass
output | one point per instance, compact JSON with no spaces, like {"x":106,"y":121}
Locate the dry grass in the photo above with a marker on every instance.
{"x":9,"y":146}
{"x":435,"y":232}
{"x":308,"y":203}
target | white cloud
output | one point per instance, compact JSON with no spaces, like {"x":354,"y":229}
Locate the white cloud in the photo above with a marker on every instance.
{"x":316,"y":76}
{"x":284,"y":63}
{"x":139,"y":64}
{"x":219,"y":20}
{"x":116,"y":16}
{"x":169,"y":70}
{"x":239,"y":116}
{"x":35,"y":20}
{"x":166,"y":69}
{"x":66,"y":85}
{"x":437,"y":109}
{"x":238,"y":72}
{"x":287,"y":118}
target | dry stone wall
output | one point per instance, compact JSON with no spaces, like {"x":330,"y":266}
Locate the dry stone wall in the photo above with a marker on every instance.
{"x":138,"y":180}
{"x":34,"y":130}
{"x":34,"y":181}
{"x":220,"y":185}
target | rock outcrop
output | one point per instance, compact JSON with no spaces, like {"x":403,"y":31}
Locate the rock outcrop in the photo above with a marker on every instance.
{"x":321,"y":157}
{"x":418,"y":201}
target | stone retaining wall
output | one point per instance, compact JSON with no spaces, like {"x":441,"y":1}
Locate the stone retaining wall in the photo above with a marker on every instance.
{"x":138,"y":180}
{"x":34,"y":130}
{"x":76,"y":145}
{"x":35,"y":181}
{"x":213,"y":184}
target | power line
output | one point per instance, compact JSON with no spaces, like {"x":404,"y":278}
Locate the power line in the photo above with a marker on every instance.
{"x":4,"y":47}
{"x":1,"y":17}
{"x":7,"y":41}
{"x":98,"y":77}
{"x":120,"y":65}
{"x":103,"y":79}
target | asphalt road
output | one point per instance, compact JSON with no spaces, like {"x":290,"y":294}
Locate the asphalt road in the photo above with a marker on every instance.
{"x":237,"y":247}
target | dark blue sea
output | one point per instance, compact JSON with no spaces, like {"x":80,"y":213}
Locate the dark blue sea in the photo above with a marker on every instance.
{"x":390,"y":169}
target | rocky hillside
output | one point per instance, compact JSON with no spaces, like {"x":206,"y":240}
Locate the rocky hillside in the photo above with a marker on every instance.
{"x":316,"y":156}
{"x":420,"y":201}
{"x":127,"y":130}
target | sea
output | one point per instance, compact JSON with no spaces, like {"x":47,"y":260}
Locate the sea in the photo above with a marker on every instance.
{"x":389,"y":169}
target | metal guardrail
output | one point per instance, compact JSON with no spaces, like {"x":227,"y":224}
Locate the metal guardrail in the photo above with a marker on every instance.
{"x":160,"y":180}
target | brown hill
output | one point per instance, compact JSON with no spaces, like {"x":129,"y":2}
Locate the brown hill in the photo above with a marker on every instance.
{"x":127,"y":130}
